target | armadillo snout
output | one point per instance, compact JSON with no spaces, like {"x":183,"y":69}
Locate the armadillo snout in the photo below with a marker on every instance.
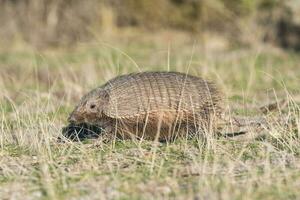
{"x":75,"y":118}
{"x":71,"y":119}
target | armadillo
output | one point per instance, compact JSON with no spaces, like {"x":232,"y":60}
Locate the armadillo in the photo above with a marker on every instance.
{"x":152,"y":105}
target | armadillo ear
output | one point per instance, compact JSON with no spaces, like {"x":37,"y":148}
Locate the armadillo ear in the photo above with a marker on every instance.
{"x":103,"y":102}
{"x":105,"y":96}
{"x":102,"y":94}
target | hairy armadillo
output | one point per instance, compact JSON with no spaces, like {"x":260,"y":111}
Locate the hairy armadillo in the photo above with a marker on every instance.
{"x":152,"y":105}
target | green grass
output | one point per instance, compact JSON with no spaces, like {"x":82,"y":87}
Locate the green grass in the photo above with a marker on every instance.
{"x":39,"y":89}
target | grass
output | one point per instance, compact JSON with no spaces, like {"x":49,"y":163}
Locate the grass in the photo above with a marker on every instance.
{"x":39,"y":89}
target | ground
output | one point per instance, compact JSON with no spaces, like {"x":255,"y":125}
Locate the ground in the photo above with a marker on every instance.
{"x":40,"y":87}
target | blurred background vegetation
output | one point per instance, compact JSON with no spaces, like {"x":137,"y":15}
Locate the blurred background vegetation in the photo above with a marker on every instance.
{"x":56,"y":23}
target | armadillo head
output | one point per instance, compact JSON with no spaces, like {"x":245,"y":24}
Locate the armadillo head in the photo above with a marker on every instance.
{"x":90,"y":108}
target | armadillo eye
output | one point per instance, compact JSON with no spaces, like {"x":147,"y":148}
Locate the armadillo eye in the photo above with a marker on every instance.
{"x":92,"y":106}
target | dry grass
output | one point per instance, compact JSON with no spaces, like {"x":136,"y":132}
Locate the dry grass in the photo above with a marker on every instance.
{"x":39,"y":89}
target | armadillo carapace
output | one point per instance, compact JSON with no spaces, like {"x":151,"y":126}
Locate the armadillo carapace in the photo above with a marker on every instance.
{"x":152,"y":105}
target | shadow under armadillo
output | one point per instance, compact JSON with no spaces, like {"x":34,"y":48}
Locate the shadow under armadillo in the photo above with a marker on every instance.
{"x":80,"y":132}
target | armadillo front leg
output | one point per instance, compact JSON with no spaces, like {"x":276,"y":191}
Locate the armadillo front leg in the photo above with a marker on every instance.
{"x":109,"y":134}
{"x":109,"y":130}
